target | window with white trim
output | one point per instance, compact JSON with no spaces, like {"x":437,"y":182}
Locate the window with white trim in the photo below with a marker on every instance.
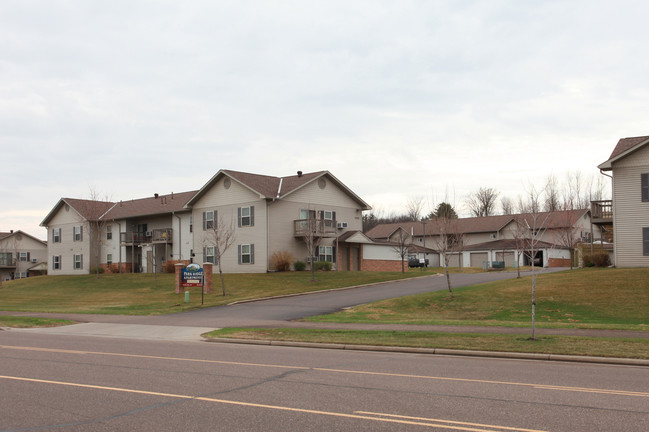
{"x":24,"y":256}
{"x":109,"y":232}
{"x":210,"y":255}
{"x":209,"y":220}
{"x":246,"y":216}
{"x":109,"y":259}
{"x":77,"y":262}
{"x":77,"y":233}
{"x":246,"y":254}
{"x":56,"y":262}
{"x":326,"y":253}
{"x":56,"y":235}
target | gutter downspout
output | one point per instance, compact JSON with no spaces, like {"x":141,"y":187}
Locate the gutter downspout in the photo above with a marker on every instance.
{"x":180,"y":233}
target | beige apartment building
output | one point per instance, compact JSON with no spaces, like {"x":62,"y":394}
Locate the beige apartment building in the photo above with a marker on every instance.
{"x":266,"y":214}
{"x":21,"y":255}
{"x":628,"y":166}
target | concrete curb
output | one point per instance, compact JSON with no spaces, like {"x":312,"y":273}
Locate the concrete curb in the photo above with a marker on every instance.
{"x":440,"y":351}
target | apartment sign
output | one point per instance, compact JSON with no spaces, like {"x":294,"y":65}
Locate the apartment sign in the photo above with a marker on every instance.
{"x":192,"y":276}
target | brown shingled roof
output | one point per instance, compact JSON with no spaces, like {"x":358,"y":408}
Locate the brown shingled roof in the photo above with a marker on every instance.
{"x":623,"y":146}
{"x":150,"y":206}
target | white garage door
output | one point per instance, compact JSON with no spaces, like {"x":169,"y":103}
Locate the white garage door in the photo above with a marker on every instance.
{"x":477,"y":258}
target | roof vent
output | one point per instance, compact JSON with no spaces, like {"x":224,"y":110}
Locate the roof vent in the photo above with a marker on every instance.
{"x":299,"y":173}
{"x":155,"y":195}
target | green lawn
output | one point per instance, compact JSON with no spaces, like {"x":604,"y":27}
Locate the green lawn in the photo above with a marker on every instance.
{"x":26,"y":322}
{"x":583,"y":298}
{"x":568,"y":345}
{"x":148,"y":294}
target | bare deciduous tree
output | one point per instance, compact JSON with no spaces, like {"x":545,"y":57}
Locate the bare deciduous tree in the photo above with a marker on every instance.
{"x":91,"y":212}
{"x":552,"y":195}
{"x":449,"y":242}
{"x":401,"y":242}
{"x":506,"y":206}
{"x":220,"y":236}
{"x":482,"y":202}
{"x":414,"y":208}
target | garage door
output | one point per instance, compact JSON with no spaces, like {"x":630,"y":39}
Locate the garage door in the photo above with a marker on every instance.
{"x":508,"y":257}
{"x":477,"y":258}
{"x":455,"y":260}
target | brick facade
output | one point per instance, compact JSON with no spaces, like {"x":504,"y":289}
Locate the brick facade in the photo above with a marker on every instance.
{"x":382,"y":265}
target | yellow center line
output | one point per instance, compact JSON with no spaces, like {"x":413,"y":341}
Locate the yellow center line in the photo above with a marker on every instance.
{"x":340,"y":371}
{"x":358,"y":416}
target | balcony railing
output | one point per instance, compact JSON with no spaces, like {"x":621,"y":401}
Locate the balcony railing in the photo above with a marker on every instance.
{"x":7,"y":262}
{"x":317,"y":227}
{"x":602,"y":211}
{"x":153,"y":236}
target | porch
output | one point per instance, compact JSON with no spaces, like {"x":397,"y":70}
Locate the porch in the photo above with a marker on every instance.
{"x":155,"y":236}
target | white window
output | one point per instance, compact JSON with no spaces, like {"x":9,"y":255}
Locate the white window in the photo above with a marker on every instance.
{"x":24,"y":256}
{"x":326,"y":254}
{"x":329,"y":218}
{"x":109,"y":259}
{"x":56,"y":262}
{"x":77,"y":232}
{"x":246,"y":216}
{"x":109,"y":232}
{"x":191,"y":224}
{"x":209,"y":255}
{"x":247,"y":254}
{"x":78,"y":262}
{"x":209,"y":218}
{"x":56,"y":235}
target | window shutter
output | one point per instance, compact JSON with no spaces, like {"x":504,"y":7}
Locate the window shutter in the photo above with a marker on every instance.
{"x":321,"y":214}
{"x":644,"y":187}
{"x":81,"y":232}
{"x":239,"y":216}
{"x":81,"y":261}
{"x":333,"y":251}
{"x":204,"y":221}
{"x":239,"y":253}
{"x":28,"y":257}
{"x":214,"y":224}
{"x":645,"y":241}
{"x":252,"y":215}
{"x":60,"y":262}
{"x":204,"y":254}
{"x":252,"y":254}
{"x":333,"y":216}
{"x":53,"y":264}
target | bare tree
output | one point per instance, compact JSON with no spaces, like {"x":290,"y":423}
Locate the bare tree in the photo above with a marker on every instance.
{"x":220,"y":236}
{"x":91,"y":212}
{"x":449,"y":242}
{"x":414,"y":208}
{"x":401,"y":242}
{"x":310,"y":230}
{"x":532,"y":227}
{"x":569,"y":233}
{"x":552,"y":195}
{"x":482,"y":202}
{"x":506,"y":206}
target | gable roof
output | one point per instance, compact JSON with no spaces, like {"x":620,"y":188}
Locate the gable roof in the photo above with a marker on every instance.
{"x":432,"y":227}
{"x":624,"y":147}
{"x":86,"y":209}
{"x":162,"y":204}
{"x":5,"y":235}
{"x":476,"y":225}
{"x":269,"y":187}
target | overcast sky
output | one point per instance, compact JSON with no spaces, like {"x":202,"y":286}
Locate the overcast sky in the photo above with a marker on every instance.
{"x":397,"y":99}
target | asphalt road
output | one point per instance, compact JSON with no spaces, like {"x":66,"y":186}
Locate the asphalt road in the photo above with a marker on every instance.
{"x":76,"y":383}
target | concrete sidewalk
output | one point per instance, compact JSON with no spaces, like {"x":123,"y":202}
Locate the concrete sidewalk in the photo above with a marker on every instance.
{"x":128,"y":331}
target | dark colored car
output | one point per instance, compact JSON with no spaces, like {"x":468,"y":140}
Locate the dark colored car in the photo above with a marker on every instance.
{"x":416,"y":262}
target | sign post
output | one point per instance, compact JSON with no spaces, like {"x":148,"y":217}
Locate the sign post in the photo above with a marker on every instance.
{"x":192,"y":276}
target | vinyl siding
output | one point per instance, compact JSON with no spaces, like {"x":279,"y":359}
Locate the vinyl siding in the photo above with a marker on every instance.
{"x":630,"y":214}
{"x":67,"y":248}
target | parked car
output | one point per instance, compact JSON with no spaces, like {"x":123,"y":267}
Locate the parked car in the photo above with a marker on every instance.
{"x":416,"y":262}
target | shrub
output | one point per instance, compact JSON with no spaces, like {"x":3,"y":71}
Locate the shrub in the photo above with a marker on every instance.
{"x":597,"y":259}
{"x":299,"y":265}
{"x":96,"y":270}
{"x":322,"y":265}
{"x":281,"y":261}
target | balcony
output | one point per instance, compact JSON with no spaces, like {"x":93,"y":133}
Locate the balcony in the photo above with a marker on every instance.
{"x":602,"y":211}
{"x":133,"y":238}
{"x":7,"y":261}
{"x":318,"y":227}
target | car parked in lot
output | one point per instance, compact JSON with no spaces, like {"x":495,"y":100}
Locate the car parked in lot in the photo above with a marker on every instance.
{"x":417,"y":262}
